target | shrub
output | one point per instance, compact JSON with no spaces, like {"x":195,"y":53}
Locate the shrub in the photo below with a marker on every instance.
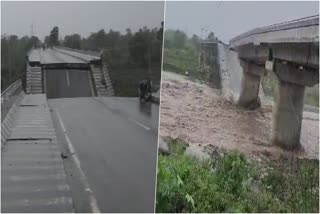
{"x":224,"y":184}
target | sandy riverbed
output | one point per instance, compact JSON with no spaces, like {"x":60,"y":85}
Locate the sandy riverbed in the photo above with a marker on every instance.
{"x":198,"y":114}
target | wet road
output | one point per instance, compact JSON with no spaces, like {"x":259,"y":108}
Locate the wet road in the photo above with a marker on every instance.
{"x":116,"y":142}
{"x":53,"y":56}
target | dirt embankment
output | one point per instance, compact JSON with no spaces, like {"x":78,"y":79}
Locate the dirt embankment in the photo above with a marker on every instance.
{"x":197,"y":114}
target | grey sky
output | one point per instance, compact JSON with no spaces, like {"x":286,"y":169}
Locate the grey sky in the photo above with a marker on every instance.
{"x":228,"y":19}
{"x":78,"y":17}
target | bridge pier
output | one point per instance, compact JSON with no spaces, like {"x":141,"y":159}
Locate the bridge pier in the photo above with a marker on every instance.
{"x":250,"y":84}
{"x":287,"y":115}
{"x":288,"y":107}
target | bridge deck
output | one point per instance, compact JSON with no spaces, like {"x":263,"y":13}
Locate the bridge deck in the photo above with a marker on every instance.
{"x":59,"y":56}
{"x":305,"y":30}
{"x":82,"y":56}
{"x":115,"y":140}
{"x":51,"y":56}
{"x":33,"y":176}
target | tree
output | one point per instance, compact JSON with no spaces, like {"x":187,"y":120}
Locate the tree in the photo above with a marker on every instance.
{"x":180,"y":39}
{"x":112,"y":39}
{"x":129,"y":32}
{"x":54,"y":37}
{"x":13,"y":57}
{"x":72,"y":41}
{"x":211,"y":36}
{"x":33,"y":42}
{"x":175,"y":39}
{"x":160,"y":32}
{"x":139,"y":46}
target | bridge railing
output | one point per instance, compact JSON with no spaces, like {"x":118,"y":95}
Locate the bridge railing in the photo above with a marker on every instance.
{"x":9,"y":97}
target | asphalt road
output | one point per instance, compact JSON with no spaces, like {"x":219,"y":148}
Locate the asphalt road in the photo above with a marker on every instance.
{"x":51,"y":56}
{"x":56,"y":55}
{"x":71,"y":82}
{"x":115,"y":140}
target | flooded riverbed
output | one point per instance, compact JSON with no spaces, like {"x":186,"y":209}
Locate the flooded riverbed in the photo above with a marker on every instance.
{"x":198,"y":114}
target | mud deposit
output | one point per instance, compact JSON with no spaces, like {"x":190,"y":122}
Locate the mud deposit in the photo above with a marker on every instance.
{"x":198,"y":114}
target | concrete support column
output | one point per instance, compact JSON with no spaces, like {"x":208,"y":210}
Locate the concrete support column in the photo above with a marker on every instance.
{"x":288,"y":107}
{"x":250,"y":84}
{"x":287,"y":115}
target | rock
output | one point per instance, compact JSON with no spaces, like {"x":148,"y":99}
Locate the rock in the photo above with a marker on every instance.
{"x":163,"y":147}
{"x":63,"y":156}
{"x":263,"y":175}
{"x":197,"y":152}
{"x":252,"y":185}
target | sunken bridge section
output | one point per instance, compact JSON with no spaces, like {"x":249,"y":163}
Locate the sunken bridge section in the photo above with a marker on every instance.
{"x":61,"y":72}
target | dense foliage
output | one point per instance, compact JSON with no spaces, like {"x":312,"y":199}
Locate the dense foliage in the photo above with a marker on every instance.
{"x":181,"y":53}
{"x":131,"y":56}
{"x":230,"y":183}
{"x":13,"y":57}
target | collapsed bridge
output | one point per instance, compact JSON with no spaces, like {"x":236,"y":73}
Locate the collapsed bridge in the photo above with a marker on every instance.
{"x":62,"y":72}
{"x":69,"y":145}
{"x":290,"y":50}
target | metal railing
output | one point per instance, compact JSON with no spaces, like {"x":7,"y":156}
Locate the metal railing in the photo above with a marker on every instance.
{"x":9,"y":96}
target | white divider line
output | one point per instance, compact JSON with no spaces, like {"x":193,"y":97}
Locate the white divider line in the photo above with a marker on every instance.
{"x":140,"y":124}
{"x":93,"y":201}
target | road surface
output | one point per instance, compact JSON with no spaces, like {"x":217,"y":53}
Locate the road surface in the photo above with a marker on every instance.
{"x":55,"y":55}
{"x":33,"y":178}
{"x":115,"y":140}
{"x":71,"y":82}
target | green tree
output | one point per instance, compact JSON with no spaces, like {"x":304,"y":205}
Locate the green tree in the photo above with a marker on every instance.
{"x":72,"y":41}
{"x":54,"y":37}
{"x":180,"y":39}
{"x":160,"y":32}
{"x":139,"y":46}
{"x":13,"y":57}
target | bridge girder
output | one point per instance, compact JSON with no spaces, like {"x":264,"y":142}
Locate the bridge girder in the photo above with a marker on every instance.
{"x":304,"y":54}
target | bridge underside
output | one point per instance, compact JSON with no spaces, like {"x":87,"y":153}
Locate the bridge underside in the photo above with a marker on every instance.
{"x":291,"y":51}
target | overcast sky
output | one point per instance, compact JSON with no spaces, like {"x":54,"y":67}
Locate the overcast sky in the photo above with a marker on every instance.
{"x":78,"y":17}
{"x":228,"y":19}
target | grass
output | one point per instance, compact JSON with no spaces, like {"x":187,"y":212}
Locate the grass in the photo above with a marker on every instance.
{"x":231,"y":183}
{"x":182,"y":60}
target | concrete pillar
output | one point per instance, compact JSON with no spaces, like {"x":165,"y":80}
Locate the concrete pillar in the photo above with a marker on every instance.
{"x":287,"y":115}
{"x":250,"y":84}
{"x":288,"y":107}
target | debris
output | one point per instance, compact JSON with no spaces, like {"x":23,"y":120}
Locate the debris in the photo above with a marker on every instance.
{"x":163,"y":147}
{"x":63,"y":156}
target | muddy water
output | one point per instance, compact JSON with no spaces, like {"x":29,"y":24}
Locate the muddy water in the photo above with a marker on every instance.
{"x":198,"y":114}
